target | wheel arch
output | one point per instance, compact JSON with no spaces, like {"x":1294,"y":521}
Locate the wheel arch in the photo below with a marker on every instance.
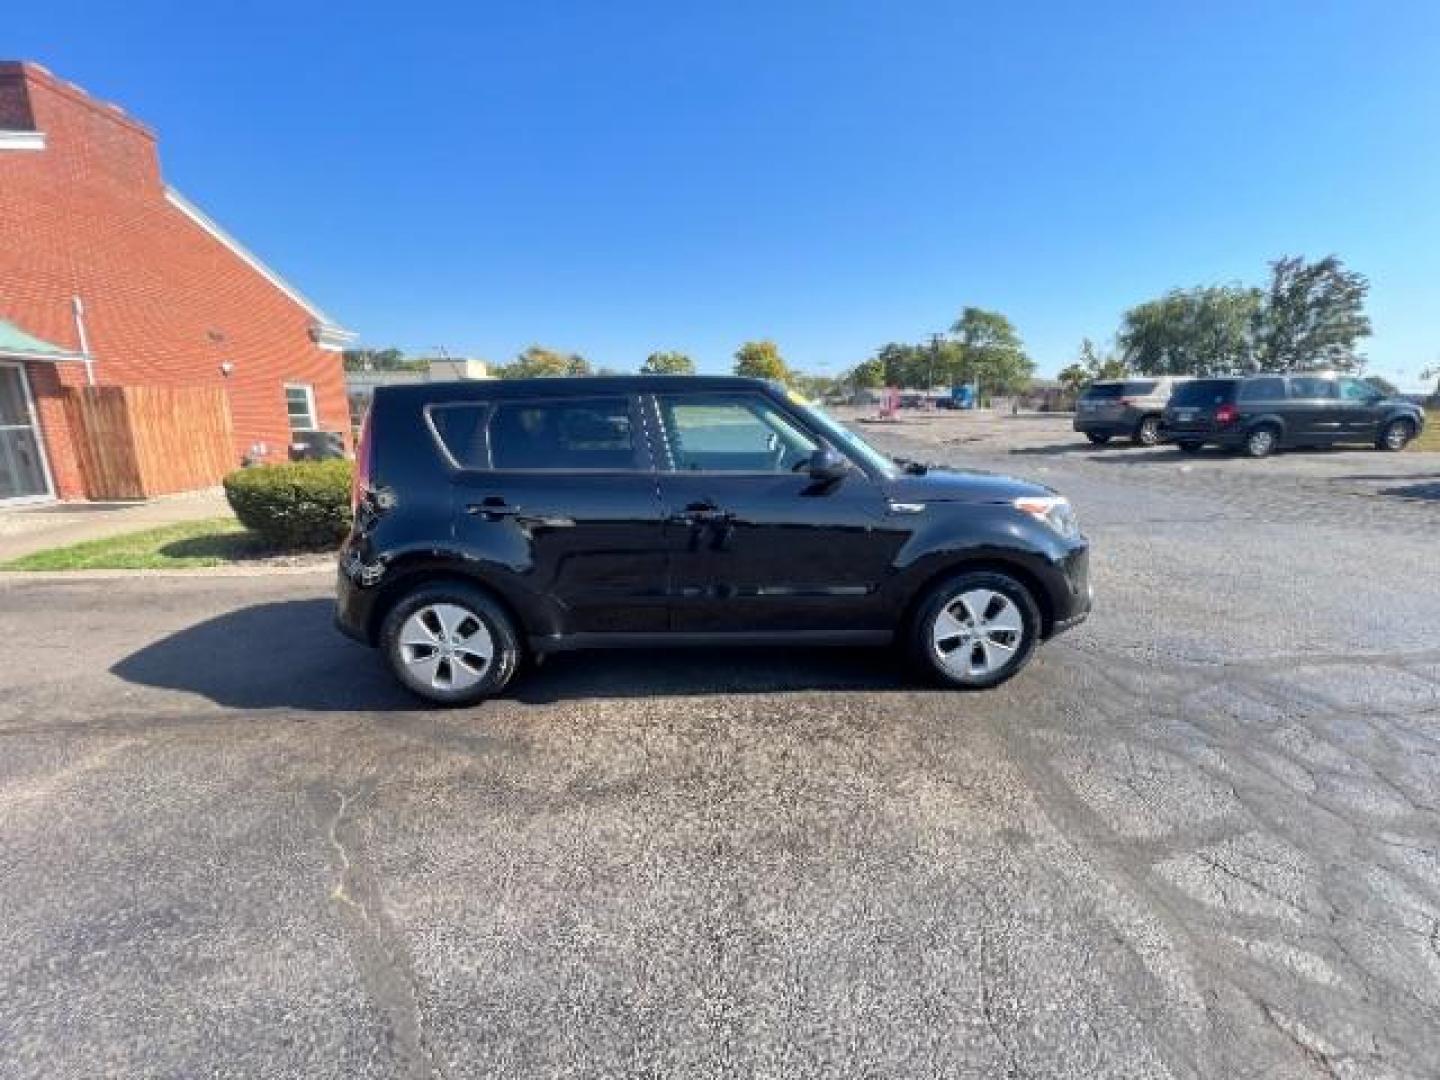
{"x":405,"y":577}
{"x":964,"y":563}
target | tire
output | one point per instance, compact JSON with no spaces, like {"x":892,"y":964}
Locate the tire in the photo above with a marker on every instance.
{"x":440,"y":620}
{"x":1189,"y":446}
{"x":1148,"y":433}
{"x":1097,"y":437}
{"x":1014,"y":621}
{"x":1262,"y":441}
{"x":1395,"y":436}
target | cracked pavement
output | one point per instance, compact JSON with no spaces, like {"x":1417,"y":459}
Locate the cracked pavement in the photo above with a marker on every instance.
{"x":1199,"y":837}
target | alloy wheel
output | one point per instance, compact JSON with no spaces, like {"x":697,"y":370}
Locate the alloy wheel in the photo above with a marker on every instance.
{"x":977,"y":633}
{"x":446,"y":646}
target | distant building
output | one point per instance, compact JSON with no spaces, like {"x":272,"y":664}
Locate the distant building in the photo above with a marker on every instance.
{"x":360,"y":385}
{"x":110,"y":277}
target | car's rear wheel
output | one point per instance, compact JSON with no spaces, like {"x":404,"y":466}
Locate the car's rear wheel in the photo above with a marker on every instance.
{"x":450,"y":643}
{"x":1395,"y":436}
{"x":1261,"y":442}
{"x":1148,"y":433}
{"x":1099,"y":438}
{"x":1189,"y":446}
{"x":976,"y":629}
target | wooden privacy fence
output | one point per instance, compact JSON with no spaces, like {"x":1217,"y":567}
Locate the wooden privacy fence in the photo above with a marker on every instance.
{"x":138,"y":441}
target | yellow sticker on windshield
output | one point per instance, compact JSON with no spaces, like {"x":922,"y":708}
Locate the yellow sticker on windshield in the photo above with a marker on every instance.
{"x":796,"y":397}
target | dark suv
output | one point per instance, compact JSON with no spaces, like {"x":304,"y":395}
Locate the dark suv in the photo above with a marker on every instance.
{"x":499,"y":518}
{"x":1262,"y":413}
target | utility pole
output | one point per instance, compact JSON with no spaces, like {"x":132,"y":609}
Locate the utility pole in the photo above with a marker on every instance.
{"x":935,"y":340}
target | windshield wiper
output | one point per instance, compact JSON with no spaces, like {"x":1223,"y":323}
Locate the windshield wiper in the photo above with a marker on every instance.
{"x":912,"y":467}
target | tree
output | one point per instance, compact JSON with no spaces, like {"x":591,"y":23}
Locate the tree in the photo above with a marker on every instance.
{"x":539,"y":362}
{"x":990,"y":352}
{"x":868,"y":374}
{"x":761,"y":360}
{"x":1206,"y":330}
{"x":1091,"y":365}
{"x":1313,"y":316}
{"x":667,"y":363}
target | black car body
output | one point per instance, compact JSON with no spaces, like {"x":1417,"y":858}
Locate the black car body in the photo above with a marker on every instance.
{"x":652,"y":510}
{"x":1261,"y":413}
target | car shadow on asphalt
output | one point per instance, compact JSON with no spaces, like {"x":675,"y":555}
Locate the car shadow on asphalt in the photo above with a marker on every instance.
{"x":288,"y":655}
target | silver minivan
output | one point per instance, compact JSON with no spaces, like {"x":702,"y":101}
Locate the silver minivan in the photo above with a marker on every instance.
{"x":1125,"y":408}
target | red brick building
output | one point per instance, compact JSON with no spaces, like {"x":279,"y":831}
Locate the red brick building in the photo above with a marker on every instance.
{"x":110,"y":277}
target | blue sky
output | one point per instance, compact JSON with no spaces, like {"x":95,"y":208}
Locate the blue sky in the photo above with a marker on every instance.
{"x":619,"y":177}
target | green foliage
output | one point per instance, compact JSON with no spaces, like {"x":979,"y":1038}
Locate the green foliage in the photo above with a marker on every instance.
{"x":1313,"y":316}
{"x":381,"y":360}
{"x":986,"y":349}
{"x":305,"y":504}
{"x":868,"y":374}
{"x":761,"y":360}
{"x":667,"y":363}
{"x":1202,"y":331}
{"x":991,"y":353}
{"x":1090,"y":366}
{"x":538,"y":362}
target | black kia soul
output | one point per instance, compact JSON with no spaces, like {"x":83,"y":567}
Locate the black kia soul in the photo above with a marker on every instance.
{"x":496,"y":518}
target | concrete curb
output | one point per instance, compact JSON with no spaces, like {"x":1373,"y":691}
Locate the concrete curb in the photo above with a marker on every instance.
{"x":13,"y":576}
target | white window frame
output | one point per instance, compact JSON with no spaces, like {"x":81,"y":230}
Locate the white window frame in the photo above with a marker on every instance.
{"x":314,"y":413}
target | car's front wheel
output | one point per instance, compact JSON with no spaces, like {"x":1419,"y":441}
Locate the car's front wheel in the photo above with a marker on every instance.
{"x":1395,"y":436}
{"x":1098,"y":438}
{"x":976,"y":629}
{"x":450,"y":643}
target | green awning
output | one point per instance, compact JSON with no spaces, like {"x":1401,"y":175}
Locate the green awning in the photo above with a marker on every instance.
{"x":15,"y":344}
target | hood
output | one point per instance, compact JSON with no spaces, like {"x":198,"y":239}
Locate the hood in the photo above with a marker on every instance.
{"x":960,"y":485}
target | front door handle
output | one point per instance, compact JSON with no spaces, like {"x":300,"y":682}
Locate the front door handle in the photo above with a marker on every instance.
{"x":702,"y":514}
{"x":493,"y":508}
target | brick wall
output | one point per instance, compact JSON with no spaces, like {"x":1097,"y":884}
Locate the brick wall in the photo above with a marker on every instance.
{"x":165,"y":301}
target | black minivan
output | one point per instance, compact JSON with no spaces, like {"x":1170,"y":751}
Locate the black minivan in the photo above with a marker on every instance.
{"x":499,"y":518}
{"x":1263,"y":413}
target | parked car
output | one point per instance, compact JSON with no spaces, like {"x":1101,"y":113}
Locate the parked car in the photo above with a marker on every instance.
{"x":499,"y":519}
{"x":1127,"y":408}
{"x":1263,"y":413}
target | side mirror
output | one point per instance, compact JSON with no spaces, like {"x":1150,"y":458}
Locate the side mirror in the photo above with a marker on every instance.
{"x":827,"y":464}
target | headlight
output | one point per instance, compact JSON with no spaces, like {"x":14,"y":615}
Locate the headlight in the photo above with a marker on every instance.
{"x":1053,"y":511}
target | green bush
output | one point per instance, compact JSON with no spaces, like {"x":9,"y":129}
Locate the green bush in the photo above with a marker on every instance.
{"x":305,"y":504}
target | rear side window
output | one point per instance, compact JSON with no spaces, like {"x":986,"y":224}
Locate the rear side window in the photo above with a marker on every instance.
{"x":462,"y":430}
{"x":1139,"y":389}
{"x":579,"y":433}
{"x":1104,"y":391}
{"x":1308,"y":387}
{"x":1263,"y":390}
{"x":1201,"y":393}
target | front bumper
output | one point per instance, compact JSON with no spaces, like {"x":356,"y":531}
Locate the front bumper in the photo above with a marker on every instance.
{"x":1071,"y":592}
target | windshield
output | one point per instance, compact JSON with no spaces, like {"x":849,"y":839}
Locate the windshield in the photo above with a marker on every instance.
{"x":846,"y":440}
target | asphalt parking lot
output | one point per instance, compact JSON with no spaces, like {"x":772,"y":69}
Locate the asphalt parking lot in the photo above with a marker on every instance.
{"x":1200,"y":836}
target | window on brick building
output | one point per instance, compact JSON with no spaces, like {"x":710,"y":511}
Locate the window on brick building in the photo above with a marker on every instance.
{"x":300,"y":406}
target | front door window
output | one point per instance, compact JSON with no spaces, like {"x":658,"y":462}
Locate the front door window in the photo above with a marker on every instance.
{"x":22,"y":468}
